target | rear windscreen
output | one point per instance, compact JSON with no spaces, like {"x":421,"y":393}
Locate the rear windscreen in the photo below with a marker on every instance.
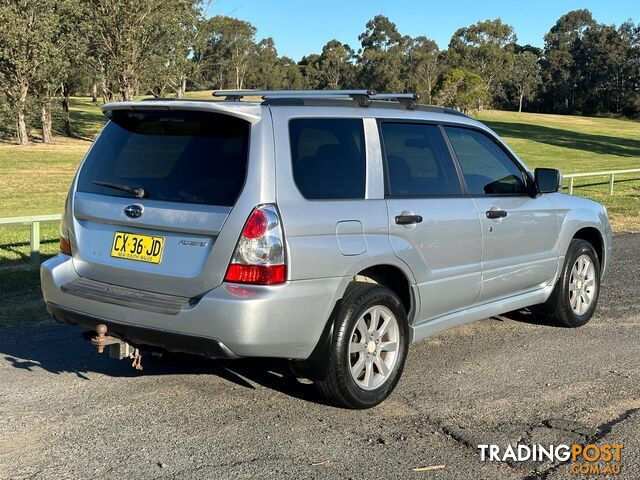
{"x":188,"y":157}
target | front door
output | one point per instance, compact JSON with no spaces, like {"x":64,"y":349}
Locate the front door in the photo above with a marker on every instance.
{"x":433,"y":227}
{"x":520,"y":233}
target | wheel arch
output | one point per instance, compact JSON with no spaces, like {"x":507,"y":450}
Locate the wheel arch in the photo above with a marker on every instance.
{"x":585,"y":219}
{"x":595,"y":238}
{"x":390,"y":275}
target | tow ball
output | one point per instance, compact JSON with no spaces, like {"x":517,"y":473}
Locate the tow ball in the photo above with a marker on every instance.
{"x":118,"y":349}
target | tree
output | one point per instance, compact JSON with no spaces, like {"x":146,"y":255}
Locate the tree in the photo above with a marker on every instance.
{"x":483,"y":48}
{"x":293,"y":76}
{"x":524,"y":76}
{"x":311,"y":75}
{"x":463,"y":90}
{"x":230,"y":49}
{"x":130,"y":34}
{"x":334,"y":68}
{"x":382,"y":56}
{"x":175,"y":61}
{"x":266,"y":71}
{"x":26,"y":33}
{"x":423,"y":62}
{"x":60,"y":70}
{"x":630,"y":81}
{"x":602,"y":54}
{"x":562,"y":72}
{"x":335,"y":65}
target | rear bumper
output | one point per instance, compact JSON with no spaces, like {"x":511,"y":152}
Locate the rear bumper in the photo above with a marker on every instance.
{"x":145,"y":337}
{"x":283,"y":321}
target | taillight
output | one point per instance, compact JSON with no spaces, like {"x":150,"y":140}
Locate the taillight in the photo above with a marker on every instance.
{"x":259,"y":255}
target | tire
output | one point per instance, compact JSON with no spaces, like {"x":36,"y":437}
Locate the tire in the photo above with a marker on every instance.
{"x":567,"y":306}
{"x":377,"y":364}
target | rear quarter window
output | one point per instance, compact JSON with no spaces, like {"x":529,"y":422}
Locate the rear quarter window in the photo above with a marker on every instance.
{"x":328,"y":157}
{"x":187,"y":157}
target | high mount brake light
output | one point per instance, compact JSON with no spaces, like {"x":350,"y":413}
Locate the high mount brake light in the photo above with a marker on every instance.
{"x":259,"y":255}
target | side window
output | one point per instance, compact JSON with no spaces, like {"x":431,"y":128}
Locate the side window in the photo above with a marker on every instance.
{"x":418,"y":161}
{"x":487,"y":169}
{"x":328,"y":157}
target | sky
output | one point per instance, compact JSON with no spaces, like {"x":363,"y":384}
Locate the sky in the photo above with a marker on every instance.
{"x":300,"y":27}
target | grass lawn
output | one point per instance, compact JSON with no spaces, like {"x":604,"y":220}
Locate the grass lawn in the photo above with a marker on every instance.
{"x":21,"y":298}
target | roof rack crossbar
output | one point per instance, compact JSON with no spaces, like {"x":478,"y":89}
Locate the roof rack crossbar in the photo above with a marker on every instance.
{"x":361,"y":97}
{"x":409,"y":100}
{"x":290,"y":93}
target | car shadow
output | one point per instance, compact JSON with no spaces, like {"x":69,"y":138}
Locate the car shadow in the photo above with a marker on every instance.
{"x":59,"y":349}
{"x":529,"y":316}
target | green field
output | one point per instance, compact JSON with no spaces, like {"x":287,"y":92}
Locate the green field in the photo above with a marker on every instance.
{"x":34,"y":179}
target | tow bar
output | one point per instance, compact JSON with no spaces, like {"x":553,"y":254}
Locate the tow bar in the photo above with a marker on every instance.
{"x":118,"y":349}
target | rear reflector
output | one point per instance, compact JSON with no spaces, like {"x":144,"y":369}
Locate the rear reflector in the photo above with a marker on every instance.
{"x":65,"y":246}
{"x":256,"y":274}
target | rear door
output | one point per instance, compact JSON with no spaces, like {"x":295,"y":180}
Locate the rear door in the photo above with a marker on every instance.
{"x":520,"y":233}
{"x":189,"y":168}
{"x":330,"y":198}
{"x":433,"y":227}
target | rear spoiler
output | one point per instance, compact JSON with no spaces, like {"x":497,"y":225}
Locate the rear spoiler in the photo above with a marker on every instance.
{"x":248,"y":112}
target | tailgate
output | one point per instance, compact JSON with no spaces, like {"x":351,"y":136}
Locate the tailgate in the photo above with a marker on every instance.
{"x":152,"y":196}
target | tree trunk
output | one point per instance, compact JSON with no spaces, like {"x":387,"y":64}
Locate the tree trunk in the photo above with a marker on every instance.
{"x":126,"y":90}
{"x":45,"y":119}
{"x":520,"y":105}
{"x":21,"y":127}
{"x":240,"y":74}
{"x":182,"y":87}
{"x":94,"y":92}
{"x":21,"y":124}
{"x":106,"y":93}
{"x":65,"y":108}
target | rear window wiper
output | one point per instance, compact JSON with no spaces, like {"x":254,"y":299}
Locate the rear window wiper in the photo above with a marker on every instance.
{"x":137,"y":191}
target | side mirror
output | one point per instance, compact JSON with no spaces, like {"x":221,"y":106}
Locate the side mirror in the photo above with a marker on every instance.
{"x":548,"y":180}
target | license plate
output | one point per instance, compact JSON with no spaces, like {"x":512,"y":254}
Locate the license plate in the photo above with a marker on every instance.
{"x":142,"y":248}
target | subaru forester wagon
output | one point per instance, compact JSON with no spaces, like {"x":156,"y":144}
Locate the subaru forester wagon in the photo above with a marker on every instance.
{"x":329,"y":228}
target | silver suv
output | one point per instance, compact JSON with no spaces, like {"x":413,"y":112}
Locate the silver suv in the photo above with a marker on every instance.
{"x":329,"y":228}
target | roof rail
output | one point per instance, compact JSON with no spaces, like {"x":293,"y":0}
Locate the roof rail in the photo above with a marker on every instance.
{"x":362,"y":97}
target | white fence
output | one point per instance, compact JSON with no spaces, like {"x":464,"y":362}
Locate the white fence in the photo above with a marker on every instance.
{"x":33,"y":222}
{"x":609,"y":173}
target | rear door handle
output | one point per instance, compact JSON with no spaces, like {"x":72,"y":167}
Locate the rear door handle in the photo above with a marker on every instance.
{"x":496,"y":213}
{"x":408,"y":219}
